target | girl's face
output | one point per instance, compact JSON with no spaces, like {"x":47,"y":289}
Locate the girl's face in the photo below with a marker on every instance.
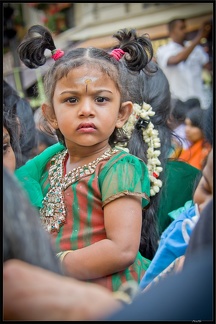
{"x":9,"y":160}
{"x":193,"y":133}
{"x":87,"y":107}
{"x":204,"y":190}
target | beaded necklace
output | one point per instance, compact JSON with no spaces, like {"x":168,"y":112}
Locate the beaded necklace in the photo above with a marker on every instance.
{"x":53,"y":213}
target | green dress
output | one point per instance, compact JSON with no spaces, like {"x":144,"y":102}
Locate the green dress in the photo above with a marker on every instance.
{"x":177,"y":189}
{"x":71,"y":205}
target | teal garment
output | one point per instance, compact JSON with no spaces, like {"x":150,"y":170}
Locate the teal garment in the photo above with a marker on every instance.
{"x":175,"y":213}
{"x":178,"y":188}
{"x":29,"y":175}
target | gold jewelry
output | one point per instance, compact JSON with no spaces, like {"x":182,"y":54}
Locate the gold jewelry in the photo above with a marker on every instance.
{"x":53,"y":212}
{"x":62,"y":255}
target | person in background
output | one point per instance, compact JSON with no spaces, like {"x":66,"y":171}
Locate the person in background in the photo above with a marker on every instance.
{"x":90,"y":194}
{"x":172,"y":242}
{"x":199,"y":147}
{"x":12,"y":157}
{"x":183,"y":61}
{"x":202,"y":236}
{"x":153,"y":89}
{"x":26,"y":120}
{"x":176,"y":122}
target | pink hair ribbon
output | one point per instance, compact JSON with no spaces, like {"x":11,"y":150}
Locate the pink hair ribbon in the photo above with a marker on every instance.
{"x":117,"y":53}
{"x":57,"y":54}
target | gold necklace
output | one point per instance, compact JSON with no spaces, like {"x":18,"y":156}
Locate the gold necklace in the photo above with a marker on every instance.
{"x":53,"y":212}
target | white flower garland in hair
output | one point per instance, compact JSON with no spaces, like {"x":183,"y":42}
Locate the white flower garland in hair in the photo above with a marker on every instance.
{"x":151,"y":137}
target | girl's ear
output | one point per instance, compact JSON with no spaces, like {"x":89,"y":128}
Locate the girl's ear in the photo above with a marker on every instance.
{"x":49,"y":115}
{"x":124,"y":113}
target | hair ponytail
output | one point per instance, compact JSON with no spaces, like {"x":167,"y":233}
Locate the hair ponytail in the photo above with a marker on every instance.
{"x":31,"y":50}
{"x":139,"y":50}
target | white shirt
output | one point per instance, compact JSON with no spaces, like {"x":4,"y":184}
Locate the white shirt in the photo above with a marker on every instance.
{"x":180,"y":132}
{"x":185,"y":78}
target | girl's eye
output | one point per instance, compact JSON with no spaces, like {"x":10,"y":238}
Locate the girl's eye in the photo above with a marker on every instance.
{"x":70,"y":100}
{"x":6,"y":146}
{"x":101,"y":99}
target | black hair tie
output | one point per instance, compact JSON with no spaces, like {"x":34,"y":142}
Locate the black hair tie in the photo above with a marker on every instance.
{"x":142,"y":123}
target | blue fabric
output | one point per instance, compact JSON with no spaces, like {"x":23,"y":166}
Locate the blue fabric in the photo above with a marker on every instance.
{"x":175,"y":213}
{"x":172,"y":244}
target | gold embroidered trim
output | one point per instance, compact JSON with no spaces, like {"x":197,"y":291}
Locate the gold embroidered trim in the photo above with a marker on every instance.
{"x":53,"y":212}
{"x":125,"y":193}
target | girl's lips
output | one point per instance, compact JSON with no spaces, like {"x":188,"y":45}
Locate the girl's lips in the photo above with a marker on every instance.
{"x":86,"y":127}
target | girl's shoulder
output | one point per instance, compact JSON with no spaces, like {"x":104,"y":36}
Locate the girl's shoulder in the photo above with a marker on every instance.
{"x":124,"y":158}
{"x":124,"y":165}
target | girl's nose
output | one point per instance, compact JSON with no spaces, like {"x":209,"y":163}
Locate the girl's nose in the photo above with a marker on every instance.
{"x":86,"y":109}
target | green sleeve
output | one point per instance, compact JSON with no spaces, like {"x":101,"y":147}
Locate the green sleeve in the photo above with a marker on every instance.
{"x":125,"y":173}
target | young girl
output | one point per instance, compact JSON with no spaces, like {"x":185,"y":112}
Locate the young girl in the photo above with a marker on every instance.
{"x":90,"y":194}
{"x":199,"y":148}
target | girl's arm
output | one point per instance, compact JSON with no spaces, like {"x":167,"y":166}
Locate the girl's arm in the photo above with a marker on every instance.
{"x":123,"y":220}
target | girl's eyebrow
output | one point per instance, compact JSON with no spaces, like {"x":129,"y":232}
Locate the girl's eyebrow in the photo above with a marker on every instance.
{"x":68,"y":92}
{"x":75,"y":92}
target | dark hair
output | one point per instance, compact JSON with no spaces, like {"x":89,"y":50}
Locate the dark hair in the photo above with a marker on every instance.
{"x":196,"y":116}
{"x":172,"y":23}
{"x":23,"y":236}
{"x":179,"y":109}
{"x":10,"y":122}
{"x":25,"y":114}
{"x":154,"y":90}
{"x":138,"y":51}
{"x":193,"y":103}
